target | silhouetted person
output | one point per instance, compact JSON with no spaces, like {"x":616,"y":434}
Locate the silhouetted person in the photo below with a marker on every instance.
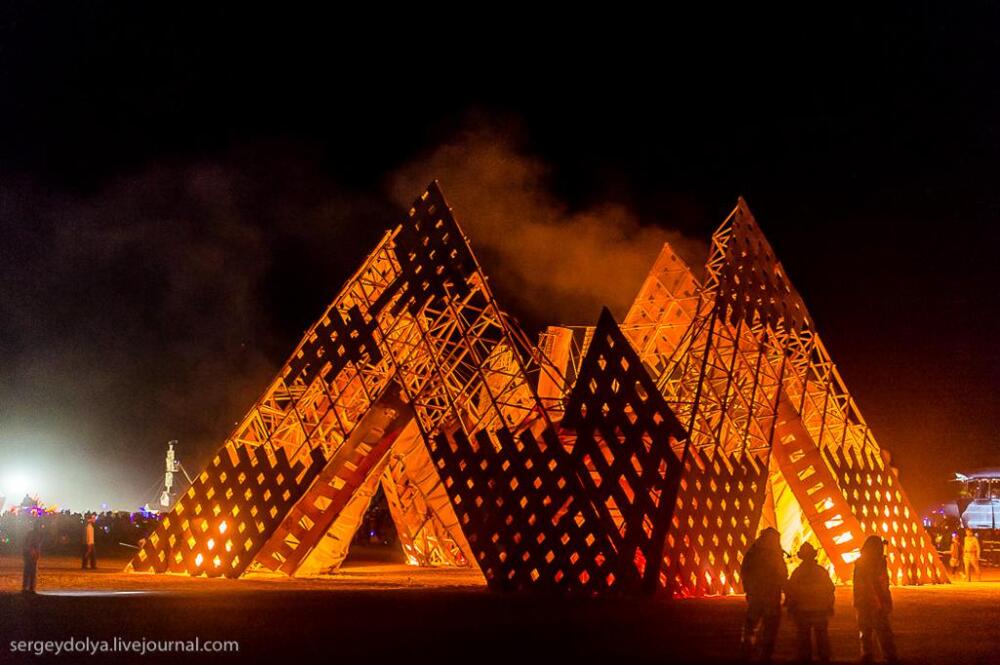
{"x":970,"y":555}
{"x":88,"y":544}
{"x":809,"y":595}
{"x":873,"y":601}
{"x":31,"y":551}
{"x":955,"y":554}
{"x":764,"y":575}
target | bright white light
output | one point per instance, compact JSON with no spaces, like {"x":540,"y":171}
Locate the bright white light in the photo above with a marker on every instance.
{"x":16,"y":484}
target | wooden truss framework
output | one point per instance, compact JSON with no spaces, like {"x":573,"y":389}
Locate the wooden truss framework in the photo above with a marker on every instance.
{"x":415,"y":378}
{"x":413,"y":337}
{"x":413,"y":344}
{"x":766,"y":388}
{"x":581,"y":508}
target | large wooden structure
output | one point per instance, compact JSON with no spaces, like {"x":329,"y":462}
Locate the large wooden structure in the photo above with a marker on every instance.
{"x":776,"y":438}
{"x":615,"y":459}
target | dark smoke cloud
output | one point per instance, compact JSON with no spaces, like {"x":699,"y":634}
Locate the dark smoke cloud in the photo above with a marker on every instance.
{"x":131,"y":316}
{"x":159,"y":305}
{"x":547,"y":261}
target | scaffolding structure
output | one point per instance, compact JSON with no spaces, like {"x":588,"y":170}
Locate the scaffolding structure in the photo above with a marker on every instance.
{"x":612,"y":459}
{"x":776,"y":438}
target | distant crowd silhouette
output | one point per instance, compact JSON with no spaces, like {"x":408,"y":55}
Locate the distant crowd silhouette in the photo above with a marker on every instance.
{"x":62,"y":533}
{"x":31,"y":530}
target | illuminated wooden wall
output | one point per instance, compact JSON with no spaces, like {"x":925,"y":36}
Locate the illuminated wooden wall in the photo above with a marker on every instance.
{"x":614,"y":459}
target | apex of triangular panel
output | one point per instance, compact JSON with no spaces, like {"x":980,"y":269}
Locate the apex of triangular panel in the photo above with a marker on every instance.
{"x":432,"y":191}
{"x":742,"y":207}
{"x":668,"y":259}
{"x":606,"y":319}
{"x":435,"y":193}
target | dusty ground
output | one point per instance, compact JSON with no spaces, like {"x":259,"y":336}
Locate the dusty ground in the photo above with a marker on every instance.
{"x":377,"y":612}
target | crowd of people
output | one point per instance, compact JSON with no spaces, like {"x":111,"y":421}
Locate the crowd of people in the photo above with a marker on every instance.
{"x":31,"y":531}
{"x":809,"y":599}
{"x":809,"y":596}
{"x":946,"y":532}
{"x":964,"y":554}
{"x":62,"y":529}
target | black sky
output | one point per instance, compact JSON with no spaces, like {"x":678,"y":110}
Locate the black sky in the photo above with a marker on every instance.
{"x":181,"y":192}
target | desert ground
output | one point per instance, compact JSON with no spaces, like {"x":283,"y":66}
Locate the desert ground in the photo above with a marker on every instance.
{"x":378,"y":611}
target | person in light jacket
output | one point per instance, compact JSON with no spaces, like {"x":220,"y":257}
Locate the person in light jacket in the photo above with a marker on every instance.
{"x":971,"y":551}
{"x":89,"y":554}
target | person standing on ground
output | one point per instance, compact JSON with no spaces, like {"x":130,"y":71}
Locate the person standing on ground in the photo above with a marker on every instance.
{"x":970,"y":555}
{"x":31,"y":552}
{"x":955,"y":554}
{"x":873,"y":601}
{"x":764,"y":575}
{"x":89,"y":553}
{"x":810,"y":597}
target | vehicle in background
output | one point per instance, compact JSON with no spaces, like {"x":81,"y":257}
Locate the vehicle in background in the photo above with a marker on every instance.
{"x":977,"y":507}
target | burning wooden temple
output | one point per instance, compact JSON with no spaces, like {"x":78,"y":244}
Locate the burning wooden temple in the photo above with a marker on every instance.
{"x":627,"y":457}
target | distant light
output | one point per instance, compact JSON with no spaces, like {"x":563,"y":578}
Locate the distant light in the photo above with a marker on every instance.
{"x":16,"y":484}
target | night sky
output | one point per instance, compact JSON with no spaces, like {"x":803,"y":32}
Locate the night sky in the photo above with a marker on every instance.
{"x":181,"y":194}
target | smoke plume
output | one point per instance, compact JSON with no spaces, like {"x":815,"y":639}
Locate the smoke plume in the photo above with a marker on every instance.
{"x":546,"y":261}
{"x":158,"y":305}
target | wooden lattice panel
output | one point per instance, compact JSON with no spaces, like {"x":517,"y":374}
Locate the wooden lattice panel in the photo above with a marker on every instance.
{"x":877,"y":500}
{"x":626,"y":437}
{"x":445,"y":334}
{"x":309,"y":520}
{"x":663,"y":310}
{"x":584,"y":508}
{"x":434,"y":259}
{"x":749,"y":282}
{"x":228,"y":513}
{"x":526,"y":515}
{"x":425,"y":520}
{"x":330,"y":552}
{"x":718,"y":510}
{"x":818,"y":414}
{"x":338,"y":339}
{"x":332,"y":384}
{"x":815,"y":488}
